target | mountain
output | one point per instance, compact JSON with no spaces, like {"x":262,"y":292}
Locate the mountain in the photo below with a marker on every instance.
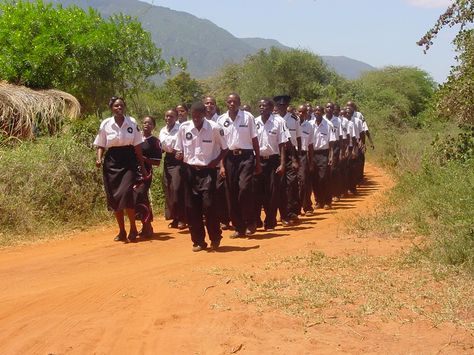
{"x":347,"y":67}
{"x":205,"y":46}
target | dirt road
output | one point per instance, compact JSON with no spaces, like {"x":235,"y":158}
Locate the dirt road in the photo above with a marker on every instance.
{"x":90,"y":295}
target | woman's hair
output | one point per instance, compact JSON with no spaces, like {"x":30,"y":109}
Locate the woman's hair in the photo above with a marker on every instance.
{"x":115,"y":98}
{"x":152,"y":120}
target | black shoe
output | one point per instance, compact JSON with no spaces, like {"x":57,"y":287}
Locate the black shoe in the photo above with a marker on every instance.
{"x":197,"y":248}
{"x":132,"y":236}
{"x":215,"y":244}
{"x":121,"y":237}
{"x":181,"y":225}
{"x":173,"y":224}
{"x":236,"y":234}
{"x":286,"y":223}
{"x":251,"y":229}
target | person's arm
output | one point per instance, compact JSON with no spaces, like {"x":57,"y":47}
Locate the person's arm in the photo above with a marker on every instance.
{"x":367,"y":133}
{"x":331,"y":153}
{"x":100,"y":154}
{"x":256,"y":149}
{"x":281,"y":168}
{"x":138,"y":153}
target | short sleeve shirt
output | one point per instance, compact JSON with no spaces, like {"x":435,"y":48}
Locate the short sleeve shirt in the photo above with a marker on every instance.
{"x":240,"y":132}
{"x":307,"y":134}
{"x":293,"y":126}
{"x":168,"y":137}
{"x":336,"y":122}
{"x":200,"y":147}
{"x":270,"y":135}
{"x":111,"y":135}
{"x":323,"y":135}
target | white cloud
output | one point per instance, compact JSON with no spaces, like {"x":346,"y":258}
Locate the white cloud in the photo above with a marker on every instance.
{"x":429,"y":3}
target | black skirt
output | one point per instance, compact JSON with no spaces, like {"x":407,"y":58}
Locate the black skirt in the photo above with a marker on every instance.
{"x":120,"y":174}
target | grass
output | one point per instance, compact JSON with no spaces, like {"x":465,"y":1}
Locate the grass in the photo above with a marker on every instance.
{"x":51,"y":186}
{"x":318,"y":288}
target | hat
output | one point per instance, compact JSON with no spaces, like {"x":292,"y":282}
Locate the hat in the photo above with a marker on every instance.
{"x":282,"y":99}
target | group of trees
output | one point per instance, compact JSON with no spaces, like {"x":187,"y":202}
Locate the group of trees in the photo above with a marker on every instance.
{"x":46,"y":46}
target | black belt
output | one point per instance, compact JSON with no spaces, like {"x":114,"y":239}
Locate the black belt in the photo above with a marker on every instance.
{"x":240,"y":151}
{"x":268,"y":157}
{"x":198,"y":167}
{"x":321,"y":151}
{"x":303,"y":152}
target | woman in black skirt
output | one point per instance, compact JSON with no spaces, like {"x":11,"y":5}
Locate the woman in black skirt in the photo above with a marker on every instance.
{"x":120,"y":139}
{"x":151,"y":156}
{"x":173,"y":185}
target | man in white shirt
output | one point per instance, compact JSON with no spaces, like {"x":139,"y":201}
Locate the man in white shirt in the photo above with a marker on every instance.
{"x":353,"y":150}
{"x":322,"y":155}
{"x":240,"y":164}
{"x":201,"y":145}
{"x":272,"y":139}
{"x":304,"y":172}
{"x":289,"y":198}
{"x":221,"y":200}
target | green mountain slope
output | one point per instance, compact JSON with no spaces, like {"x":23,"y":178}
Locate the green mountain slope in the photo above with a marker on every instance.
{"x":204,"y":45}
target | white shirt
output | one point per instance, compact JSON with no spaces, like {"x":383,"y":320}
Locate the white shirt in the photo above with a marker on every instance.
{"x":358,"y":125}
{"x":351,"y":131}
{"x":214,"y":117}
{"x":293,"y":126}
{"x":365,"y":128}
{"x":323,"y":134}
{"x":200,"y":147}
{"x":344,"y":122}
{"x":168,"y":137}
{"x":307,"y":134}
{"x":270,"y":135}
{"x":336,"y":122}
{"x":111,"y":135}
{"x":240,"y":132}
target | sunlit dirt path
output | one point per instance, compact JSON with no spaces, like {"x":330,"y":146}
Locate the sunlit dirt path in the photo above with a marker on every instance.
{"x":90,"y":295}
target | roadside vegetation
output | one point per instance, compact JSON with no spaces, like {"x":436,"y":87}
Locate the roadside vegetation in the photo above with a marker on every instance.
{"x":423,"y":133}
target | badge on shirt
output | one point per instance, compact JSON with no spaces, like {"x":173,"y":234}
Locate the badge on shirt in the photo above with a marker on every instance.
{"x":221,"y":131}
{"x":258,"y":125}
{"x":226,"y":124}
{"x":130,"y":130}
{"x":189,"y":136}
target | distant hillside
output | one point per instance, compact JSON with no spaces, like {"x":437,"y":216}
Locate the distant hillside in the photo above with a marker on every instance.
{"x":205,"y":46}
{"x":347,"y":67}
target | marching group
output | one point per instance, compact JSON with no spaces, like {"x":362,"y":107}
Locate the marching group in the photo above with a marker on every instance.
{"x":220,"y":171}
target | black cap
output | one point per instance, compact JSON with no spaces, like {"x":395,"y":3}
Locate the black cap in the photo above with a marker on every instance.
{"x":282,"y":99}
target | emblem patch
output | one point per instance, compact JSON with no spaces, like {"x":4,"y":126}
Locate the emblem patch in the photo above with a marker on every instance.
{"x":130,"y":130}
{"x":221,"y":131}
{"x":226,"y":124}
{"x":258,"y":125}
{"x":189,"y":136}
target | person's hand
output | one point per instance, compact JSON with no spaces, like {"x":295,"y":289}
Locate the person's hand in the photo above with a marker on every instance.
{"x":372,"y":146}
{"x":222,"y":171}
{"x":295,"y":165}
{"x":179,"y":155}
{"x":98,"y":163}
{"x":330,"y":161}
{"x":341,"y":155}
{"x":258,"y":169}
{"x":280,"y":170}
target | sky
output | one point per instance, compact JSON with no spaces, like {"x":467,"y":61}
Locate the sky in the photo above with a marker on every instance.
{"x":377,"y":32}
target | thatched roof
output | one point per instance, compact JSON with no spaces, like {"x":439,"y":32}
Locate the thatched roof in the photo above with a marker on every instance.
{"x":23,"y":109}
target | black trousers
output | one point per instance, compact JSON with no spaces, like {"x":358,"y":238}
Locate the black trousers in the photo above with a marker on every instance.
{"x":239,"y":176}
{"x":360,"y":167}
{"x":173,"y":171}
{"x":305,"y":182}
{"x":336,"y":179}
{"x":222,"y":199}
{"x":352,"y":173}
{"x":289,"y":205}
{"x":320,"y":177}
{"x":266,"y":187}
{"x":200,"y":192}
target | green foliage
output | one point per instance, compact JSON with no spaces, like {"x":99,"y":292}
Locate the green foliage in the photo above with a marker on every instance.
{"x":43,"y":46}
{"x":298,"y":73}
{"x":50,"y":183}
{"x":403,"y":91}
{"x":455,"y":99}
{"x":458,"y":149}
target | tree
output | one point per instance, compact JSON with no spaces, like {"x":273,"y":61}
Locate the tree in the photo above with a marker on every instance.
{"x":298,"y":73}
{"x":47,"y":46}
{"x":456,"y":95}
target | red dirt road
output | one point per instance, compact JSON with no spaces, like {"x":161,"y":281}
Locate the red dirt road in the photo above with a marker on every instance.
{"x":90,"y":295}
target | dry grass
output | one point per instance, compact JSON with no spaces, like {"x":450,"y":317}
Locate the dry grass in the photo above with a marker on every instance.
{"x":23,"y":110}
{"x":317,"y":289}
